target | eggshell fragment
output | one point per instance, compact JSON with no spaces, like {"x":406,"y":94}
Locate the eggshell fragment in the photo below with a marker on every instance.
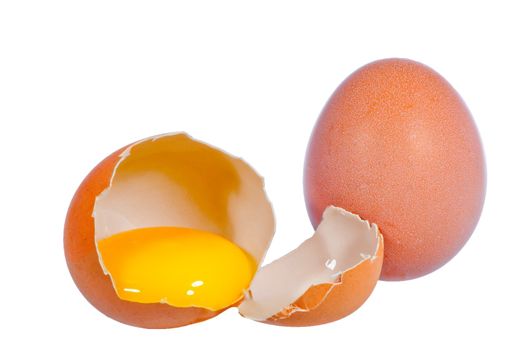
{"x":327,"y":277}
{"x":165,"y":180}
{"x":396,"y":145}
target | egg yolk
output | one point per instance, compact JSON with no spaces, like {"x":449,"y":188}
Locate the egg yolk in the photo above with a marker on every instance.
{"x":181,"y":267}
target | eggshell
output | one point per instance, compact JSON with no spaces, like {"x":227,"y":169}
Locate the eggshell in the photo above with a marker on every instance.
{"x":164,"y":180}
{"x":85,"y":268}
{"x":327,"y":277}
{"x":331,"y":302}
{"x":396,"y":145}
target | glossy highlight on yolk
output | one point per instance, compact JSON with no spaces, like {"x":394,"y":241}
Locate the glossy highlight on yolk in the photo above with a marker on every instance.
{"x":181,"y":267}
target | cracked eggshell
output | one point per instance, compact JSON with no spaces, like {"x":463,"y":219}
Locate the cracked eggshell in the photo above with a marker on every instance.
{"x":120,"y":194}
{"x":326,"y":278}
{"x":396,"y":145}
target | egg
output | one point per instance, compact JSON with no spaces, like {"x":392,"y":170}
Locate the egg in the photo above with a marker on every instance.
{"x":397,"y":145}
{"x":176,"y":266}
{"x":163,"y":181}
{"x":170,"y":231}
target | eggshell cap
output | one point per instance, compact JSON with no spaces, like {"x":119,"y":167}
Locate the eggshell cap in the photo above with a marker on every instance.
{"x":326,"y":278}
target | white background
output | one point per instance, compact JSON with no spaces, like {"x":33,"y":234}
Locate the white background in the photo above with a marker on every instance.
{"x":80,"y":79}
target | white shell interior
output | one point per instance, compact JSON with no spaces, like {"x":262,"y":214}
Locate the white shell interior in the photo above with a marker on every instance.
{"x":342,"y":241}
{"x":174,"y":180}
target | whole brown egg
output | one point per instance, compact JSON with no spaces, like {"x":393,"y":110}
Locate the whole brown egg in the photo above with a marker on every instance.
{"x":396,"y":145}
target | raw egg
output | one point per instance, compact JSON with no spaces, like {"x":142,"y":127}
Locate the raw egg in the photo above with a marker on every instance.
{"x":396,"y":145}
{"x":170,"y":231}
{"x":177,"y":266}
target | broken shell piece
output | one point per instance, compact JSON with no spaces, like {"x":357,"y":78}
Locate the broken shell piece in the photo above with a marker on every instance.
{"x":326,"y":278}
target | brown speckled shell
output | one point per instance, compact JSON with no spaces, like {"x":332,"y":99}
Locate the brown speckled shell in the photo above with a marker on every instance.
{"x":396,"y":145}
{"x":356,"y":285}
{"x":84,"y":266}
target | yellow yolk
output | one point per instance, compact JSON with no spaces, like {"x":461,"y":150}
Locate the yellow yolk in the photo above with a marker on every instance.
{"x":179,"y":266}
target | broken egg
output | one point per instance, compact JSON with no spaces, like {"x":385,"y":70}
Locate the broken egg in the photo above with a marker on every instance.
{"x":396,"y":145}
{"x":170,"y":231}
{"x":114,"y":231}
